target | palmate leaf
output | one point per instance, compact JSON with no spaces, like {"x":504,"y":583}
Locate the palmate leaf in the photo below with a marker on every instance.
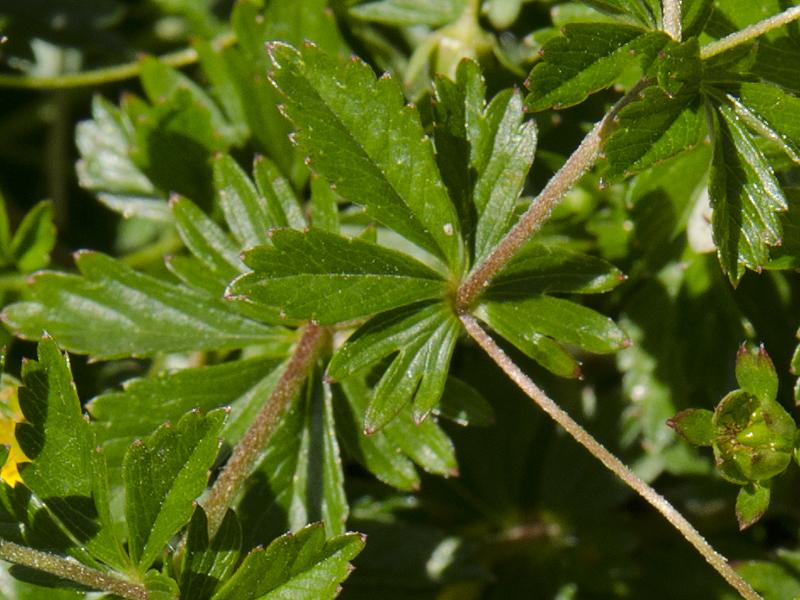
{"x":301,"y":566}
{"x":89,"y":313}
{"x":420,"y":341}
{"x":329,"y":278}
{"x":357,"y":132}
{"x":745,"y":196}
{"x":164,"y":475}
{"x":299,"y":478}
{"x":67,"y":472}
{"x":587,"y":58}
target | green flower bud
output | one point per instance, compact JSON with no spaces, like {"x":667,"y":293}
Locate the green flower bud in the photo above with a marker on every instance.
{"x":753,"y":437}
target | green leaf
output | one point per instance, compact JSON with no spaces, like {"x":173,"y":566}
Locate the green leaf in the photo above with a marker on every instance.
{"x":666,"y":120}
{"x":752,"y":502}
{"x":500,"y":181}
{"x":464,"y":405}
{"x":300,"y":566}
{"x":343,"y":118}
{"x":756,"y":374}
{"x":433,"y":13}
{"x":647,"y":12}
{"x":299,"y":479}
{"x":245,"y":212}
{"x":545,"y":269}
{"x":112,"y":311}
{"x":145,"y":404}
{"x":161,"y":83}
{"x":67,"y":472}
{"x":745,"y":196}
{"x":160,"y":586}
{"x":34,"y":239}
{"x":420,"y":342}
{"x":206,"y":564}
{"x":323,"y":276}
{"x":585,"y":59}
{"x":104,"y":143}
{"x":283,"y":205}
{"x":772,"y":112}
{"x":164,"y":475}
{"x":207,"y":241}
{"x":562,"y":320}
{"x":694,"y":424}
{"x":774,"y":579}
{"x":386,"y":452}
{"x":324,"y":206}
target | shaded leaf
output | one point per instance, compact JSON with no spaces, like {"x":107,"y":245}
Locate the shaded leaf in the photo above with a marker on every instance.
{"x":164,"y":475}
{"x":66,"y":471}
{"x":206,"y":564}
{"x":752,"y":502}
{"x":409,"y":12}
{"x":694,"y":424}
{"x":34,"y":239}
{"x":756,"y":374}
{"x":245,"y":212}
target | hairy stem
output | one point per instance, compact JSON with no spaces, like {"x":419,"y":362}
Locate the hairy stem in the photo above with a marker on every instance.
{"x":750,"y":33}
{"x":177,"y":59}
{"x":247,"y":451}
{"x":609,"y":460}
{"x":69,"y":568}
{"x":671,"y":16}
{"x":542,"y":206}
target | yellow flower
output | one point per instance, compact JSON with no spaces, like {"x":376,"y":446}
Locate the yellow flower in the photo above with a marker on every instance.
{"x":10,"y":415}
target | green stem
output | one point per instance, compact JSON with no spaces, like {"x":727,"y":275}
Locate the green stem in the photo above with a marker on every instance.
{"x":609,"y":460}
{"x":69,"y":568}
{"x":177,"y":59}
{"x":671,"y":13}
{"x":750,"y":33}
{"x":247,"y":451}
{"x":542,"y":206}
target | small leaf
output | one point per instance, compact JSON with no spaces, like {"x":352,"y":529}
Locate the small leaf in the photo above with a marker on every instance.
{"x":694,"y":424}
{"x":756,"y":374}
{"x":587,"y":58}
{"x":206,"y":564}
{"x":774,"y":112}
{"x":164,"y":475}
{"x":88,"y":313}
{"x":343,"y":118}
{"x":34,"y":239}
{"x":283,"y":205}
{"x":433,"y":13}
{"x":500,"y":181}
{"x":545,"y":269}
{"x":752,"y":502}
{"x":245,"y":212}
{"x":421,"y":341}
{"x":323,"y":276}
{"x":302,"y":566}
{"x":160,"y":586}
{"x":647,"y":12}
{"x":745,"y":196}
{"x":66,"y":472}
{"x":324,"y":207}
{"x":464,"y":405}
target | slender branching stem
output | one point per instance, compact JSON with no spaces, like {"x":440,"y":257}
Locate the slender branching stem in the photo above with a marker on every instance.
{"x":247,"y":451}
{"x":609,"y":460}
{"x":177,"y":59}
{"x":542,"y":206}
{"x":71,"y":569}
{"x":750,"y":33}
{"x":671,"y":16}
